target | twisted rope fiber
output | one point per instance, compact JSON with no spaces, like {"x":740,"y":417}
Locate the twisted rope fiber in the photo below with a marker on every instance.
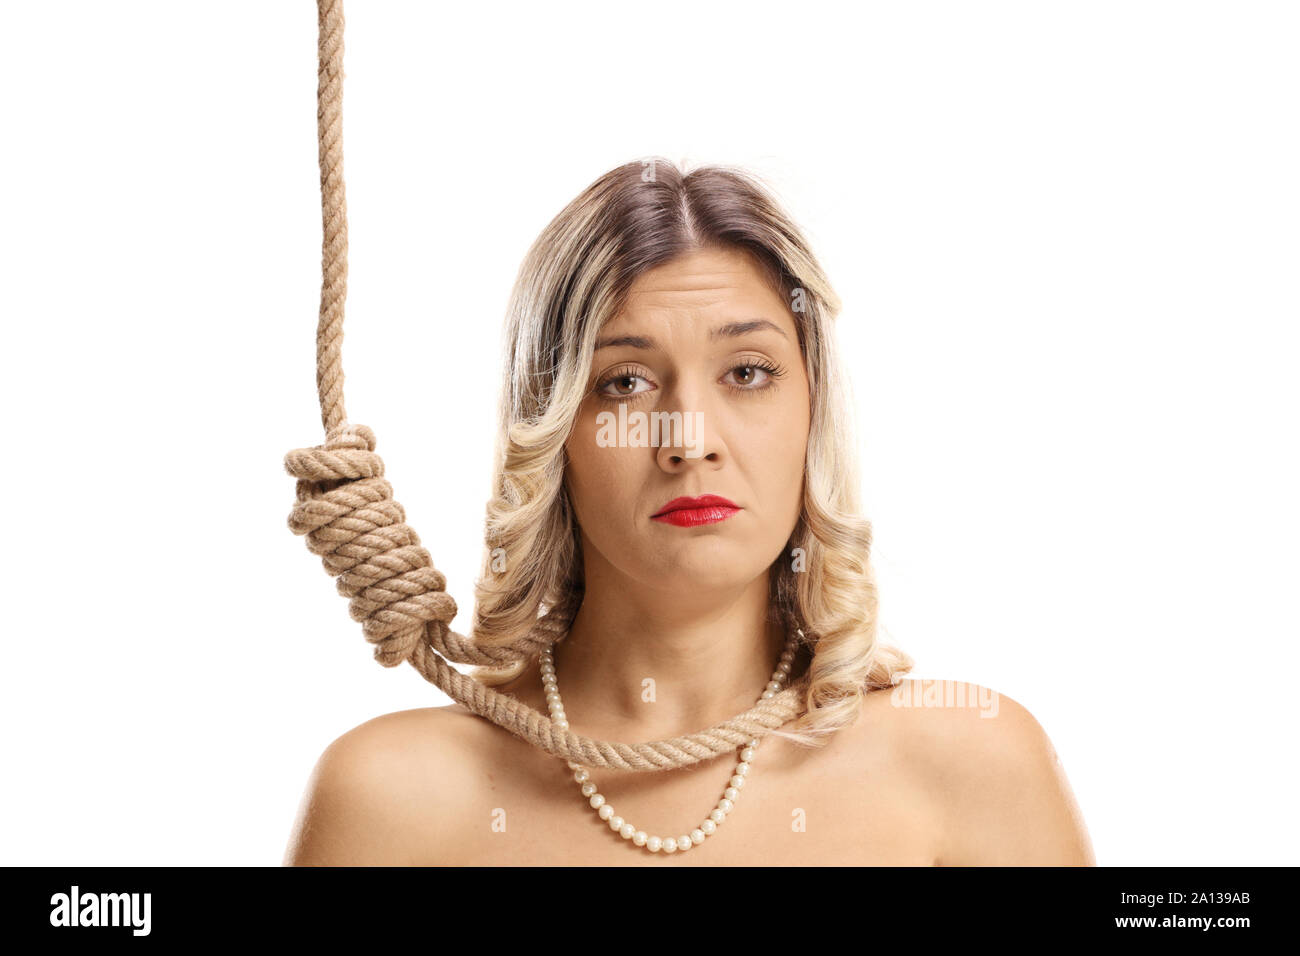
{"x":346,"y":510}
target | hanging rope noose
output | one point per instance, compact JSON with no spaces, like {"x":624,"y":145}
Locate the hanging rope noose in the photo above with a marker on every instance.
{"x":346,"y":509}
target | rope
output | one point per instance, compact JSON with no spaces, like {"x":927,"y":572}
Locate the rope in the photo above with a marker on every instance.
{"x":346,"y":510}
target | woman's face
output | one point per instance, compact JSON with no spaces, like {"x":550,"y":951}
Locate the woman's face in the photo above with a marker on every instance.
{"x":704,"y":336}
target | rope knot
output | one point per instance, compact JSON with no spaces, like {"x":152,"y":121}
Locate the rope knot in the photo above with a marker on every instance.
{"x":350,"y":435}
{"x":345,"y":507}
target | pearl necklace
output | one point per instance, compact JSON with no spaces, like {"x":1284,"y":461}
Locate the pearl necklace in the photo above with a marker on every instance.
{"x":606,"y":812}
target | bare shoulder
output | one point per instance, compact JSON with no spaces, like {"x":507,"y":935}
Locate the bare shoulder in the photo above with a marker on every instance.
{"x":379,"y":795}
{"x":1002,"y":791}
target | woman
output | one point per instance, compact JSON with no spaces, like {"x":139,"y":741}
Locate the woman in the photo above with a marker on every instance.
{"x":676,"y":479}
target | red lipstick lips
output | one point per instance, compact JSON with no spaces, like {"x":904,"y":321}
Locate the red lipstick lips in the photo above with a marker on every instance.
{"x":689,"y":512}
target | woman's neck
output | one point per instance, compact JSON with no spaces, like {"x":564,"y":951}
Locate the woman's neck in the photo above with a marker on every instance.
{"x":638,"y":667}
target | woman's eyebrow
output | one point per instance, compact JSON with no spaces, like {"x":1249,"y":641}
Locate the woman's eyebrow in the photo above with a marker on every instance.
{"x":729,"y":331}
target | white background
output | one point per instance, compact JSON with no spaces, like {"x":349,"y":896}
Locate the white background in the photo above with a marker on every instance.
{"x":1066,"y":239}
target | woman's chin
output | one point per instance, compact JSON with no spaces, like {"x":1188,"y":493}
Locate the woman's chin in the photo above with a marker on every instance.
{"x":715,"y":571}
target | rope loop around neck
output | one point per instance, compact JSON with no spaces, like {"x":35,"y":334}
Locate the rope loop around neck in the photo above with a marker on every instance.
{"x":346,"y":510}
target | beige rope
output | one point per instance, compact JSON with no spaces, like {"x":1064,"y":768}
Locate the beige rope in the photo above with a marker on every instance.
{"x":345,"y":508}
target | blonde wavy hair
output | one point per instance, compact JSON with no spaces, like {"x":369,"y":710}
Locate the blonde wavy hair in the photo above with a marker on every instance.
{"x":574,"y":278}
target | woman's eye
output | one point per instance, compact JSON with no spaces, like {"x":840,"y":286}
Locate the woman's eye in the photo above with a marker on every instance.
{"x":752,"y":373}
{"x":617,"y":383}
